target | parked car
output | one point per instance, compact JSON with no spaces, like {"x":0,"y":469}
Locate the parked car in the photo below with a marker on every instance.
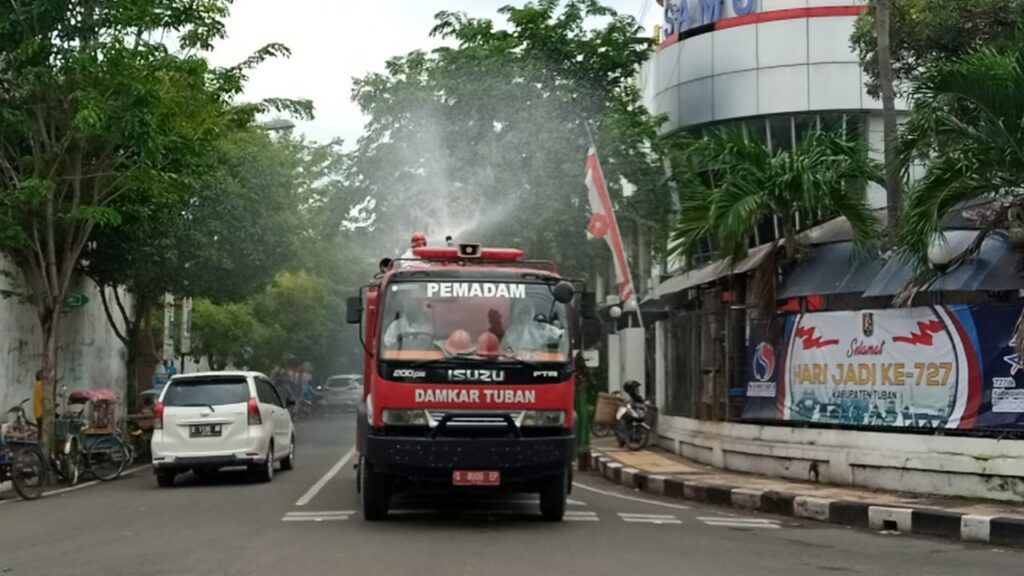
{"x":343,"y":392}
{"x":207,"y":421}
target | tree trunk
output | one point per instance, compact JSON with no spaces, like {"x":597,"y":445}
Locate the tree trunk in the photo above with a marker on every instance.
{"x":893,"y":180}
{"x":141,"y":359}
{"x":789,"y":234}
{"x":49,"y":320}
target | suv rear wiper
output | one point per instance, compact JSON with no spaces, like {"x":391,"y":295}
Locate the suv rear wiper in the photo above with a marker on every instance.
{"x":210,"y":406}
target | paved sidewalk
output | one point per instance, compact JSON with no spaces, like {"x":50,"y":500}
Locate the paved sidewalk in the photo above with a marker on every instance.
{"x":659,"y":472}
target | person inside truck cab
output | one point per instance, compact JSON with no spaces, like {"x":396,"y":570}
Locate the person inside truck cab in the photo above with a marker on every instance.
{"x":410,"y":327}
{"x":528,"y":333}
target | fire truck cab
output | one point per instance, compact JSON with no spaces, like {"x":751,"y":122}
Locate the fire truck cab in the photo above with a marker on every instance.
{"x":468,"y":375}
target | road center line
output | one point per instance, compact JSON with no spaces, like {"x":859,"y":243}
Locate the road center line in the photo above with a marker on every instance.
{"x":630,"y":498}
{"x":316,"y":488}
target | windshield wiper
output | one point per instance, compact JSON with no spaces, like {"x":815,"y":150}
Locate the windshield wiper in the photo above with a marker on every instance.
{"x":455,"y":358}
{"x":521,"y":362}
{"x":210,"y":406}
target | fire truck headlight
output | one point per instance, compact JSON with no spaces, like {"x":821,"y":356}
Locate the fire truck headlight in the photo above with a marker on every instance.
{"x":544,"y":418}
{"x":405,"y":417}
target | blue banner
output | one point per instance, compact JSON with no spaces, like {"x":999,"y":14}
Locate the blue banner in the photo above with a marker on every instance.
{"x":951,"y":367}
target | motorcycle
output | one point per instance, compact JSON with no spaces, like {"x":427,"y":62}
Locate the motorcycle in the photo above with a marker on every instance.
{"x":631,"y":428}
{"x":310,"y":403}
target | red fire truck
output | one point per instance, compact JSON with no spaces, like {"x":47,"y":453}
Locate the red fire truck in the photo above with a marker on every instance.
{"x":468,"y":376}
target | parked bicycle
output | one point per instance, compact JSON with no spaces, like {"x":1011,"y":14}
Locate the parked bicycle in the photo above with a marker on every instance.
{"x":21,"y":461}
{"x":82,"y":447}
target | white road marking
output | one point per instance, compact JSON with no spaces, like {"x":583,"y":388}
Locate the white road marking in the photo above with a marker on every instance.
{"x":742,"y":525}
{"x":654,"y":516}
{"x":323,"y":513}
{"x":580,"y":516}
{"x":316,"y":488}
{"x":631,"y":498}
{"x":734,"y":522}
{"x":649,"y":518}
{"x":323,"y":516}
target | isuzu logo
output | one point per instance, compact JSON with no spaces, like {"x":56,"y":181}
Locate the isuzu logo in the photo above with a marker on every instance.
{"x":414,"y":374}
{"x":475,"y":375}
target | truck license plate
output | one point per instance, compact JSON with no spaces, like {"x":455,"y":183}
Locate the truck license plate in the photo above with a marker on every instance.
{"x":476,"y":478}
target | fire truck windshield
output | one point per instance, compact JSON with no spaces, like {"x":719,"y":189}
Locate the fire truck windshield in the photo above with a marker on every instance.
{"x":473,"y":320}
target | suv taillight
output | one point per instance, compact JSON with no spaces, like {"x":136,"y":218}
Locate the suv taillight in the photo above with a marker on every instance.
{"x":158,"y":416}
{"x":254,"y":412}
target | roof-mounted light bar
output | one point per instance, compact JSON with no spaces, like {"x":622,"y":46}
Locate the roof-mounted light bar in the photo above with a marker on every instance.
{"x":469,"y":252}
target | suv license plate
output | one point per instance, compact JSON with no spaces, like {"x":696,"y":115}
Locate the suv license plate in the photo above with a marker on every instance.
{"x":201,"y":430}
{"x":476,"y":478}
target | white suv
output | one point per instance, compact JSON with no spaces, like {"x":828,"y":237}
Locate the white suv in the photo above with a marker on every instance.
{"x":213,"y":420}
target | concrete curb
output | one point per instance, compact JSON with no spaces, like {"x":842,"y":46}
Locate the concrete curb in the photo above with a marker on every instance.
{"x":924,"y":521}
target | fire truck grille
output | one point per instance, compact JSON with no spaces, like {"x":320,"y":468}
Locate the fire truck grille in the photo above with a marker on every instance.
{"x":475,"y":418}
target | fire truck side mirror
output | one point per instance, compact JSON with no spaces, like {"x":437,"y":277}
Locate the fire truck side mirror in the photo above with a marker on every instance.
{"x":354,"y":310}
{"x":564,"y":292}
{"x":588,"y":306}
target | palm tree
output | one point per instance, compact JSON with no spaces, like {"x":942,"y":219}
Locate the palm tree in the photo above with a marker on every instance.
{"x":733,"y":184}
{"x":968,"y":127}
{"x":890,"y":134}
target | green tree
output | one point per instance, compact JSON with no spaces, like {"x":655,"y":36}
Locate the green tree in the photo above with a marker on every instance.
{"x":94,"y":105}
{"x":225,"y":334}
{"x":729,"y":184}
{"x":967,"y":127}
{"x":890,"y":131}
{"x":928,"y":32}
{"x":486,"y":138}
{"x":898,"y":40}
{"x":221,"y":233}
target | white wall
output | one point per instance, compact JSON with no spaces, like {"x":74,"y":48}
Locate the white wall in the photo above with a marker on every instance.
{"x":633,"y":347}
{"x":614,"y":363}
{"x":90,"y":355}
{"x":949,"y":466}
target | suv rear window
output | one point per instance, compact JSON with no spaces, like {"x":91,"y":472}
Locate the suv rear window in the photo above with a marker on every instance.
{"x":207,"y":391}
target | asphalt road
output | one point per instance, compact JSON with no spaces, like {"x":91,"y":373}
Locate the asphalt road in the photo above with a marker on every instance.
{"x":307,"y":523}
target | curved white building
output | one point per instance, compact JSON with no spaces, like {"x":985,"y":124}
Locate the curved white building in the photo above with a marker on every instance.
{"x":775,"y":67}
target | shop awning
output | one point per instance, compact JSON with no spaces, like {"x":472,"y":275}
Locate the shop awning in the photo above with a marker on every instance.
{"x":835,"y":230}
{"x":831,"y":269}
{"x":712,"y":272}
{"x":996,"y":267}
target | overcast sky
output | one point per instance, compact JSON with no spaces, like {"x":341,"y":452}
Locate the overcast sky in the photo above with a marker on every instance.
{"x":333,"y":41}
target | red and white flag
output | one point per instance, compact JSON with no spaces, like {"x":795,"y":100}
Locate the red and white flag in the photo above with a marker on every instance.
{"x":603,"y":224}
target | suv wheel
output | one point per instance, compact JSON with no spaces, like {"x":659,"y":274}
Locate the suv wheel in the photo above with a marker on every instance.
{"x":289,"y":462}
{"x":264,"y":472}
{"x":165,"y":479}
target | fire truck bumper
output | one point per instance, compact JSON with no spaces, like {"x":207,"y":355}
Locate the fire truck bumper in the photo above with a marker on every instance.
{"x":432,"y":460}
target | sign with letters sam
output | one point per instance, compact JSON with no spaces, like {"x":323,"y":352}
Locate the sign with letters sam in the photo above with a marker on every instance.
{"x":924,"y":367}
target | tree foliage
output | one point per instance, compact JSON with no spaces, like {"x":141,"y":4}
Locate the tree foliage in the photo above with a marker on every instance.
{"x":967,"y":127}
{"x":728,"y":184}
{"x":108,"y":114}
{"x":298,"y":317}
{"x":486,"y":139}
{"x":927,"y":32}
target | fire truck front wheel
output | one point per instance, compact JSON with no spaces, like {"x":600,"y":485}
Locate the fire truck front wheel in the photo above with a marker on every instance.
{"x":554,"y":492}
{"x":374,"y":491}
